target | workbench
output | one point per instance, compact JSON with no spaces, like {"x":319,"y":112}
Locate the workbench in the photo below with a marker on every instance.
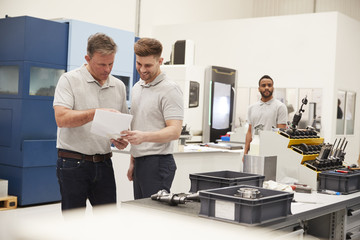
{"x":316,"y":214}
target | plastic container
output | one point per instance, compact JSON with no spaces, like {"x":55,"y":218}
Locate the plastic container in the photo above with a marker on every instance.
{"x":343,"y":183}
{"x":210,"y":180}
{"x":221,"y":204}
{"x":225,"y":138}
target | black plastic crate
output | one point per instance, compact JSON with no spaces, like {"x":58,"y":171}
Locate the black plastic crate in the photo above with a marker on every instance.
{"x":210,"y":180}
{"x":221,"y":204}
{"x":343,"y":183}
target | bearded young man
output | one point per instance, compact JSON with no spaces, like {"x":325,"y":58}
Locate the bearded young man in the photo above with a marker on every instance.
{"x":158,"y":112}
{"x":268,"y":111}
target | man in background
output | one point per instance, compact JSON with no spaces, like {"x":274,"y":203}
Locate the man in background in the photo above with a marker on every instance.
{"x":268,"y":111}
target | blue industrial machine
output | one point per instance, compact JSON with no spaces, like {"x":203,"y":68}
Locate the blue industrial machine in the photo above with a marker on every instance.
{"x":33,"y":55}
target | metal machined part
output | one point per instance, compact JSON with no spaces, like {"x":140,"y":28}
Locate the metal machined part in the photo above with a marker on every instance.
{"x":174,"y":199}
{"x":251,"y":193}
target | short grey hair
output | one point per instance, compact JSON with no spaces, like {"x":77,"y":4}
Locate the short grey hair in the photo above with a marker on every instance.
{"x":101,"y":43}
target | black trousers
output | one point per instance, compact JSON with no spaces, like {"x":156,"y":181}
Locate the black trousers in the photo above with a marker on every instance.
{"x":80,"y":180}
{"x":153,"y":173}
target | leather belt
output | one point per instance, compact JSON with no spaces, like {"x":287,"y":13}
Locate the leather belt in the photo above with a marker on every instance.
{"x":79,"y":156}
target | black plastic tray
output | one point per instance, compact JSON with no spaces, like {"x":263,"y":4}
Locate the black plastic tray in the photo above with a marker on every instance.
{"x":221,"y":204}
{"x":343,"y":183}
{"x":210,"y":180}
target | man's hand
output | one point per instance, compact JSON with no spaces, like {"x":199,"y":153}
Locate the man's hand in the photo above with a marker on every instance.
{"x":171,"y":132}
{"x":134,"y":137}
{"x":119,"y":143}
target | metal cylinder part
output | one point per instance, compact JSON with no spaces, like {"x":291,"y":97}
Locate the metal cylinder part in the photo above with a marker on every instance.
{"x":251,"y":193}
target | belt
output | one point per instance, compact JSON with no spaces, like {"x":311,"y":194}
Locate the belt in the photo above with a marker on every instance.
{"x":79,"y":156}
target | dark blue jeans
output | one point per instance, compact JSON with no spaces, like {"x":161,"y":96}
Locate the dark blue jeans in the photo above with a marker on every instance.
{"x":153,"y":173}
{"x":80,"y":180}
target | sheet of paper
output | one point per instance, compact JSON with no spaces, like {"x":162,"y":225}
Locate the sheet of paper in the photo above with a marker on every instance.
{"x":110,"y":124}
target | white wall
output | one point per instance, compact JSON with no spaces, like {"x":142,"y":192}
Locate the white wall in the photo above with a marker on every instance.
{"x":298,"y":51}
{"x":347,"y":75}
{"x":112,"y":13}
{"x":295,"y":50}
{"x":160,"y":12}
{"x":122,"y":13}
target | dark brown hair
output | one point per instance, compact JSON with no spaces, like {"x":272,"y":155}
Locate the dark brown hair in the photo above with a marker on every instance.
{"x":148,"y":47}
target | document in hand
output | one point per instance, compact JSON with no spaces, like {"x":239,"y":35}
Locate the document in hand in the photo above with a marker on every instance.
{"x":110,"y":124}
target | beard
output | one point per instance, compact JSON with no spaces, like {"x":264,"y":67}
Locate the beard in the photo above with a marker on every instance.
{"x":266,"y":94}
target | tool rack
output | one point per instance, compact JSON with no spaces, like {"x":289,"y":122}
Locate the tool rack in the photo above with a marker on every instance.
{"x":292,"y":155}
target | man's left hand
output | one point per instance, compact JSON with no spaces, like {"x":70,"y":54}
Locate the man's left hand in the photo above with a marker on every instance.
{"x":120,"y":143}
{"x":134,"y":137}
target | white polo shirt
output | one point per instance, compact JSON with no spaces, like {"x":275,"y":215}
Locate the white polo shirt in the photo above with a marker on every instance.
{"x":151,"y":105}
{"x":78,"y":90}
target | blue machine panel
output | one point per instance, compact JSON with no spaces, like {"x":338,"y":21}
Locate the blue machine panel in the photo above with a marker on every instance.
{"x":38,"y":48}
{"x":40,"y":121}
{"x":33,"y":39}
{"x":38,"y":153}
{"x":32,"y":185}
{"x":10,"y":152}
{"x":12,"y":39}
{"x":5,"y":127}
{"x":32,"y":118}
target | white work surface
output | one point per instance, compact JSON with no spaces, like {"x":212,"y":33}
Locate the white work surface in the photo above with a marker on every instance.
{"x":194,"y":159}
{"x":307,"y":208}
{"x":139,"y":219}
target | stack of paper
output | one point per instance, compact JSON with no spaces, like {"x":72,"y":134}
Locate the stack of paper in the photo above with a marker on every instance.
{"x":110,"y":124}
